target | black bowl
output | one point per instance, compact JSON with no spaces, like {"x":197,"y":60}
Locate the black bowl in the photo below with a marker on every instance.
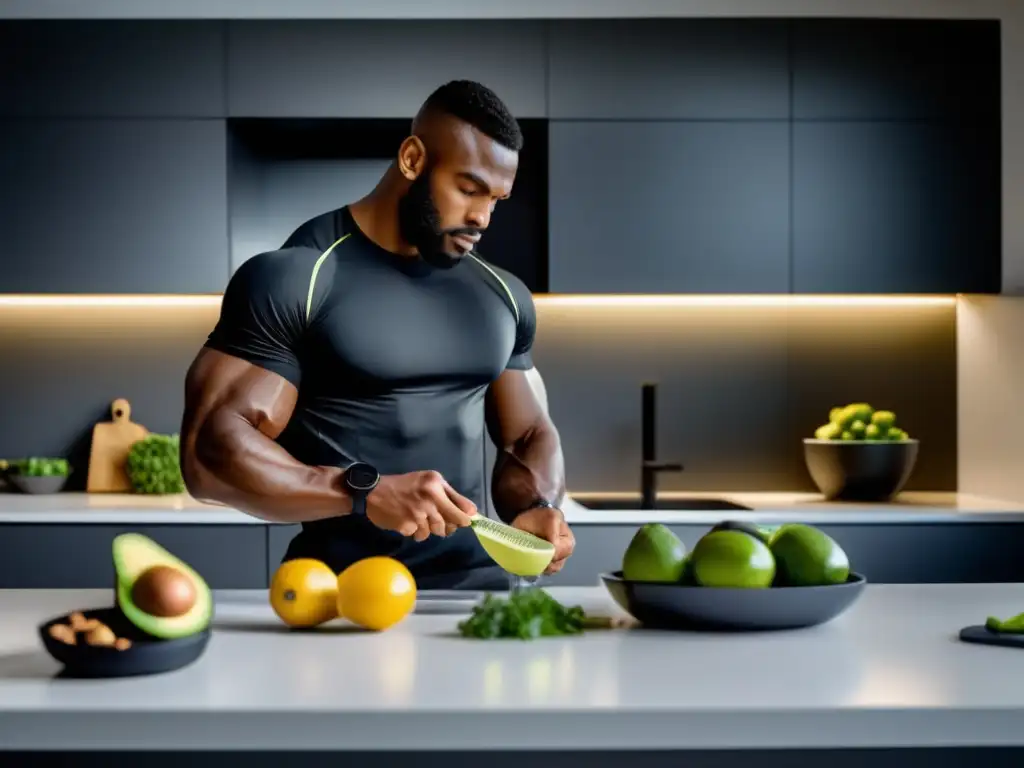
{"x":669,"y":605}
{"x":147,"y":655}
{"x":860,"y":470}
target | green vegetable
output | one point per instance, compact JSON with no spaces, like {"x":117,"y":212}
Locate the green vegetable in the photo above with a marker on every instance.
{"x":525,"y":615}
{"x":153,"y":465}
{"x":1014,"y":624}
{"x":38,"y":467}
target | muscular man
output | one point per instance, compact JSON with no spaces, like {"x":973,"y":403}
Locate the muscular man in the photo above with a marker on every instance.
{"x":350,"y":377}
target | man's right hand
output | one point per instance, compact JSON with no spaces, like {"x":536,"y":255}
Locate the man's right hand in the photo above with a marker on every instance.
{"x":418,"y":504}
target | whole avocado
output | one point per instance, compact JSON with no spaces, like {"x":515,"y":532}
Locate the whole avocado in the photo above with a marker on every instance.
{"x":806,"y":556}
{"x":654,"y":554}
{"x":739,"y":525}
{"x":732,"y":558}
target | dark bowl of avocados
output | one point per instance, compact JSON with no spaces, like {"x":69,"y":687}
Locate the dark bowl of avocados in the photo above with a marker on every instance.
{"x":860,"y":470}
{"x":675,"y":605}
{"x":147,"y":655}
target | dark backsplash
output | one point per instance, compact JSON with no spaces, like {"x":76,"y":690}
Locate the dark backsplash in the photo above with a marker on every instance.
{"x":739,"y":385}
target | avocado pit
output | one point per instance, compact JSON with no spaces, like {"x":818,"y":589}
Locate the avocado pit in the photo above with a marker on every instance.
{"x":164,"y":591}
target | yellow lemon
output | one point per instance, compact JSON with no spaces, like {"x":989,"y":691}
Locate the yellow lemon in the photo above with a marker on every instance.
{"x":376,"y":592}
{"x":304,"y":593}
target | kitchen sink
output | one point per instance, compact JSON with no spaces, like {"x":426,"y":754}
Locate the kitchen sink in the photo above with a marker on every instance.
{"x":678,"y":502}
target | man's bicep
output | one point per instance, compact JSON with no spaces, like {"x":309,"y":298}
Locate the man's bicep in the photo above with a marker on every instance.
{"x":219,"y":385}
{"x":512,"y":408}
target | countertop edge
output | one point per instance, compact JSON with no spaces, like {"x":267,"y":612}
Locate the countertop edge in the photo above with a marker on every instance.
{"x":765,"y":508}
{"x":503,"y":729}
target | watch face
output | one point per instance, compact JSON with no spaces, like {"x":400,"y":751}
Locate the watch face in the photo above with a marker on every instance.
{"x":362,"y":477}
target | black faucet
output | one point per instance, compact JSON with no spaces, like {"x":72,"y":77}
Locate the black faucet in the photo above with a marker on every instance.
{"x":650,"y":467}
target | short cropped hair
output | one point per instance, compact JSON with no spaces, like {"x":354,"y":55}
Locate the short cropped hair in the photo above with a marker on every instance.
{"x":479,"y":106}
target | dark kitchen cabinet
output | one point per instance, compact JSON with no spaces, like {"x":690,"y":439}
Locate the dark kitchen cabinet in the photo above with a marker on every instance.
{"x":278,"y":539}
{"x":868,"y":69}
{"x":668,"y":69}
{"x":59,"y":556}
{"x":376,"y":68}
{"x":113,"y":206}
{"x":669,"y":207}
{"x":895,"y":207}
{"x":112,"y":68}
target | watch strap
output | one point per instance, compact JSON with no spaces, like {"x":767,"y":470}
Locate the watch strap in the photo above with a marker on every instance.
{"x":358,"y":502}
{"x":538,"y":502}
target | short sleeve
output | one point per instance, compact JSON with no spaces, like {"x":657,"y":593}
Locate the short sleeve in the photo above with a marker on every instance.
{"x":262,"y":316}
{"x":526,"y":329}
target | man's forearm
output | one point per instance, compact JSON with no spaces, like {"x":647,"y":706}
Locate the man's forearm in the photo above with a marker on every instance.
{"x":233,"y":463}
{"x":530,"y":469}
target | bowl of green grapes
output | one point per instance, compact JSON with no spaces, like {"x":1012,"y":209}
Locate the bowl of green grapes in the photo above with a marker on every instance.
{"x":36,"y":474}
{"x":860,"y":454}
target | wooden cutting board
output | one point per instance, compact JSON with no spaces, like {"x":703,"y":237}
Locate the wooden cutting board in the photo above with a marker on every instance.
{"x":111,"y":441}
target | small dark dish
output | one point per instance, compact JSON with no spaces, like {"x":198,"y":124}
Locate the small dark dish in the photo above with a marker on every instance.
{"x":860,"y":470}
{"x":663,"y":605}
{"x":146,"y":656}
{"x":979,"y":633}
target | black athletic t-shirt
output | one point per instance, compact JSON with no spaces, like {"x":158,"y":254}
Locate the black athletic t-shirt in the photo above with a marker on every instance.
{"x":391,"y":358}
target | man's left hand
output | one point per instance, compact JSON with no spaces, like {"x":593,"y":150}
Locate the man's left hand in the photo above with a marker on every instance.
{"x":549,"y":524}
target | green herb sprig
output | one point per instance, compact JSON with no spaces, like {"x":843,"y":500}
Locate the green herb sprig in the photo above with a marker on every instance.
{"x":524,"y":615}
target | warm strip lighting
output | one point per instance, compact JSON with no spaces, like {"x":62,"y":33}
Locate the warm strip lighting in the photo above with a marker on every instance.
{"x":97,"y":300}
{"x":687,"y":300}
{"x":745,"y":300}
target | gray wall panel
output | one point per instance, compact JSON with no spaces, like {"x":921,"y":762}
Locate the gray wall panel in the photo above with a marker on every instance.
{"x":669,"y":207}
{"x":871,"y":69}
{"x":112,"y":69}
{"x":668,"y":69}
{"x":894,"y":207}
{"x":378,"y":69}
{"x":113,"y":206}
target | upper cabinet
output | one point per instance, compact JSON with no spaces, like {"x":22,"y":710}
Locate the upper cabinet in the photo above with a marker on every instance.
{"x":378,"y":68}
{"x":896,"y":156}
{"x":669,"y":207}
{"x":113,"y":206}
{"x":894,"y":207}
{"x":896,"y":69}
{"x":112,"y":69}
{"x":664,"y":69}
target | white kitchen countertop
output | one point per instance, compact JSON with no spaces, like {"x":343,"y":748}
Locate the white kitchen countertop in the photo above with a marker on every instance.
{"x":888,"y":673}
{"x":767,"y":508}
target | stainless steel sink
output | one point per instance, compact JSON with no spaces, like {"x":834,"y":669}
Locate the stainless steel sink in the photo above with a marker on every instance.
{"x":680,"y":503}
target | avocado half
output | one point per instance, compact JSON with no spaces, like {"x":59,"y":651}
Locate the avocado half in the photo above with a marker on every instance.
{"x":134,"y":554}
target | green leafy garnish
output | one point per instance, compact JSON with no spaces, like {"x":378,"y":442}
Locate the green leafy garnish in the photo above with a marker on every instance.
{"x":525,"y":615}
{"x":153,"y":465}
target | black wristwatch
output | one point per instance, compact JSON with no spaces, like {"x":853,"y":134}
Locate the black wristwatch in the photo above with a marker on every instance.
{"x":538,"y":502}
{"x":359,"y":479}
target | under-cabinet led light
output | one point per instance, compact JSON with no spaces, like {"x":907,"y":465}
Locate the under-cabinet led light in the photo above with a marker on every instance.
{"x":567,"y":300}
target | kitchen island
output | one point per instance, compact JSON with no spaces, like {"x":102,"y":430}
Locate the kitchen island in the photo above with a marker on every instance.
{"x":888,"y":673}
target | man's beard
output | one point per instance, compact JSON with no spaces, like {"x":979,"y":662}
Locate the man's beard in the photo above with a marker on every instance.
{"x":419,"y":222}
